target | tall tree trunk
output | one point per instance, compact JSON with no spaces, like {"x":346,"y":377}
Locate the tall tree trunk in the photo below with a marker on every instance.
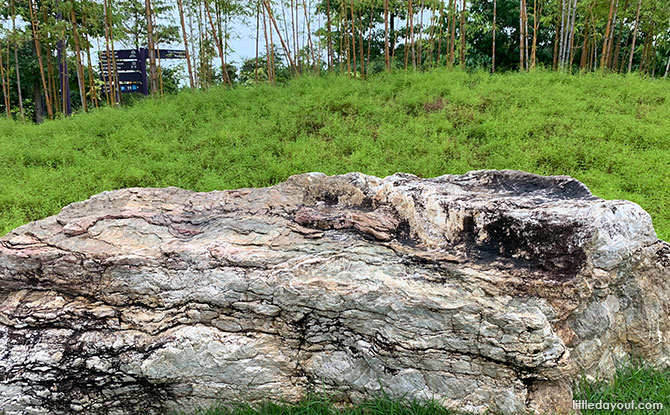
{"x":38,"y":51}
{"x":667,"y":68}
{"x":217,"y":40}
{"x":372,"y":10}
{"x":603,"y":56}
{"x":571,"y":55}
{"x":562,"y":25}
{"x":452,"y":41}
{"x":5,"y":85}
{"x":258,"y":28}
{"x":80,"y":66}
{"x":463,"y":35}
{"x":153,"y":76}
{"x":353,"y":40}
{"x":267,"y":47}
{"x":493,"y":53}
{"x":111,"y":42}
{"x":431,"y":35}
{"x":274,"y":23}
{"x":39,"y":104}
{"x":610,"y":41}
{"x":16,"y":63}
{"x":637,"y":25}
{"x":91,"y":81}
{"x":411,"y":33}
{"x":360,"y":46}
{"x":556,"y":40}
{"x":521,"y":36}
{"x":420,"y":48}
{"x":309,"y":38}
{"x":533,"y":53}
{"x":387,"y":52}
{"x":525,"y":31}
{"x":582,"y":61}
{"x":330,"y":35}
{"x":183,"y":31}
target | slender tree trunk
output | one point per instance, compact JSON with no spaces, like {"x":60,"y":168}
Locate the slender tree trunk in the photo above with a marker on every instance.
{"x":582,"y":61}
{"x":645,"y":53}
{"x":16,"y":63}
{"x":395,"y":39}
{"x":258,"y":16}
{"x":353,"y":40}
{"x":534,"y":46}
{"x":603,"y":56}
{"x":667,"y":68}
{"x":637,"y":25}
{"x":267,"y":47}
{"x":411,"y":33}
{"x":556,"y":39}
{"x":111,"y":42}
{"x":463,"y":35}
{"x":440,"y":34}
{"x":610,"y":41}
{"x":565,"y":32}
{"x":217,"y":40}
{"x":340,"y":31}
{"x":367,"y":62}
{"x":452,"y":52}
{"x":571,"y":54}
{"x":360,"y":46}
{"x":183,"y":32}
{"x":194,"y":55}
{"x":525,"y":32}
{"x":493,"y":53}
{"x":39,"y":104}
{"x":51,"y":79}
{"x":152,"y":48}
{"x":91,"y":83}
{"x":614,"y":64}
{"x":80,"y":66}
{"x":431,"y":35}
{"x":387,"y":54}
{"x":5,"y":86}
{"x":617,"y":51}
{"x":406,"y":45}
{"x":420,"y":47}
{"x":309,"y":38}
{"x":330,"y":36}
{"x":521,"y":36}
{"x":38,"y":50}
{"x":274,"y":23}
{"x":298,"y":58}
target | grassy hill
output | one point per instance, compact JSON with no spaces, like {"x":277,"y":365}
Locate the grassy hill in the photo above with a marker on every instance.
{"x":611,"y":132}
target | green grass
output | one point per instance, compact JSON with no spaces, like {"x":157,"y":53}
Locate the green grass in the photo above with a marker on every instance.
{"x":634,"y":383}
{"x":323,"y":405}
{"x":611,"y":132}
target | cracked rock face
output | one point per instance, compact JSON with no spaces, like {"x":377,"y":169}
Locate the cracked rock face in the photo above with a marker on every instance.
{"x":494,"y":289}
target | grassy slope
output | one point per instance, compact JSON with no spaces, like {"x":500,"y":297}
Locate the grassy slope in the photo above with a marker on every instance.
{"x":611,"y":132}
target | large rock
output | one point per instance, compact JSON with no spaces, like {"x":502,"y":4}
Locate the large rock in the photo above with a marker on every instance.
{"x":494,"y":289}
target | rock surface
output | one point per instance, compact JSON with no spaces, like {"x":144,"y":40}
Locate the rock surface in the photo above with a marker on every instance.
{"x":493,"y":289}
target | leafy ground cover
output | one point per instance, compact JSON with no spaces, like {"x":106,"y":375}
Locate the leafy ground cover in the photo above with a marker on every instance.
{"x":611,"y":132}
